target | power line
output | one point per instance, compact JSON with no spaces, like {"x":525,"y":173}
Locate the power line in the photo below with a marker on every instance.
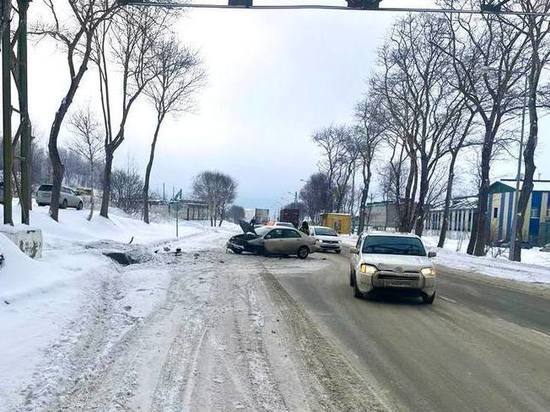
{"x":340,"y":8}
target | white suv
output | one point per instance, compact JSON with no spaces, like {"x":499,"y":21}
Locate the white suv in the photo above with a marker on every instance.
{"x":67,"y":198}
{"x":390,"y":261}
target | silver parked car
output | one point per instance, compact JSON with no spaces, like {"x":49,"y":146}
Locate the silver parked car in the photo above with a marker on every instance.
{"x":389,"y":261}
{"x":68,"y":197}
{"x":327,"y":238}
{"x":272,"y":240}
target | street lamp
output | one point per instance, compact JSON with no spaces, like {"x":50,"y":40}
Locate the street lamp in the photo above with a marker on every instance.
{"x":514,"y":234}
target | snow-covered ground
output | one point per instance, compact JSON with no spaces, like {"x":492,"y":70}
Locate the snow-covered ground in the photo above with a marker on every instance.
{"x":44,"y":302}
{"x":534,"y":268}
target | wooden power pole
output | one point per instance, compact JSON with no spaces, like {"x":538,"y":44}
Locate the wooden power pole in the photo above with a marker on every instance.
{"x":7,"y":110}
{"x":25,"y":124}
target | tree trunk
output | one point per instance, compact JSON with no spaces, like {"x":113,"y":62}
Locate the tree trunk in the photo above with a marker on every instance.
{"x":92,"y":201}
{"x":482,"y":218}
{"x":421,"y":209}
{"x":408,"y":201}
{"x":58,"y":171}
{"x":364,"y":197}
{"x":530,"y":168}
{"x":530,"y":145}
{"x":148,"y":172}
{"x":448,"y":198}
{"x":107,"y":175}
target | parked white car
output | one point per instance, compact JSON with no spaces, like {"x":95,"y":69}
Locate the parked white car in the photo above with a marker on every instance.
{"x":327,"y":238}
{"x":68,"y":197}
{"x":389,"y":261}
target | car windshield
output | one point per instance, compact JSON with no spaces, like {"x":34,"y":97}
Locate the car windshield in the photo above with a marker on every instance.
{"x":284,"y":224}
{"x":45,"y":188}
{"x":394,"y":245}
{"x":261,"y":231}
{"x":325,"y":231}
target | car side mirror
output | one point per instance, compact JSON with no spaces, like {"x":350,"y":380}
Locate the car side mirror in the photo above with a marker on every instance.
{"x":354,"y":251}
{"x":432,"y":254}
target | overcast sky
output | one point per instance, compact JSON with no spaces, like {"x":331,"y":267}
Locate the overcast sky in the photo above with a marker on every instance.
{"x":273,"y":78}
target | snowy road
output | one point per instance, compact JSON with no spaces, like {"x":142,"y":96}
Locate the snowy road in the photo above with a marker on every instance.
{"x":484,"y":344}
{"x":224,"y":337}
{"x":231,"y":332}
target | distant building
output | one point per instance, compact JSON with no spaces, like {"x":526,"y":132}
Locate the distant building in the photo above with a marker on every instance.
{"x":500,"y":209}
{"x":381,"y":215}
{"x":340,"y":222}
{"x":461,"y":215}
{"x":502,"y":202}
{"x":193,"y":210}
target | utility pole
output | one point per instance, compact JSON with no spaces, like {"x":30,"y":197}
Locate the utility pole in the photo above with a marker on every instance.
{"x":7,"y":111}
{"x":25,"y":124}
{"x":514,"y":237}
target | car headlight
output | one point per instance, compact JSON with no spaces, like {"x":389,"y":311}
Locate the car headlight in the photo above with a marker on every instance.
{"x":428,"y":272}
{"x":368,"y":269}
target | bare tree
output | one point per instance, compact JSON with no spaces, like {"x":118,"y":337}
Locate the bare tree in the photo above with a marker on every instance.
{"x":415,"y":71}
{"x":88,"y":144}
{"x":129,"y":38}
{"x":537,"y":31}
{"x":369,"y":135}
{"x":340,"y":156}
{"x":75,"y":31}
{"x":179,"y":76}
{"x":127,"y":189}
{"x":218,"y":191}
{"x":488,"y":60}
{"x":316,"y":195}
{"x":460,"y":131}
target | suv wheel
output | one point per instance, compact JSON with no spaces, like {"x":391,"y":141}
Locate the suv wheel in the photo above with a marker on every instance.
{"x":80,"y":206}
{"x":65,"y":204}
{"x":303,"y":252}
{"x":428,"y":300}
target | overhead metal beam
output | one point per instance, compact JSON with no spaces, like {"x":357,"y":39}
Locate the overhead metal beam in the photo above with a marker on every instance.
{"x":325,"y":7}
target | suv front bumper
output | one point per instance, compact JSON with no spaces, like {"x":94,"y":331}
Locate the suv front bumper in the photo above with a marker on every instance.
{"x":423,"y":285}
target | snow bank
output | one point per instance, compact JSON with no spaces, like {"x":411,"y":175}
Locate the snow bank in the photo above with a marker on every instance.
{"x":41,"y":299}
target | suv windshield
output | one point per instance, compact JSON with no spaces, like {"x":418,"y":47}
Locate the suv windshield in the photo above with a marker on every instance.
{"x":45,"y":188}
{"x":394,"y":245}
{"x":325,"y":231}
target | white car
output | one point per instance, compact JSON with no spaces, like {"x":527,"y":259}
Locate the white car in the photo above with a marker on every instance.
{"x":67,"y":198}
{"x":396,"y":262}
{"x":327,"y":238}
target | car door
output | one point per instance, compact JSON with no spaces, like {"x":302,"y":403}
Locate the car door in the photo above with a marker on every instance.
{"x":273,"y":240}
{"x":292,"y":240}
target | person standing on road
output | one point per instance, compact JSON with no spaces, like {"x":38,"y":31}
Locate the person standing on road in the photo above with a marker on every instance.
{"x":305,"y":228}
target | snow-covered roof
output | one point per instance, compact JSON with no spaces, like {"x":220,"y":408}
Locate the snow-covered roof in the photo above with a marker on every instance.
{"x":538,"y":185}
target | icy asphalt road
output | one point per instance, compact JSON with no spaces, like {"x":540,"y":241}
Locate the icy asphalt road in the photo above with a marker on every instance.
{"x":254,"y":333}
{"x":484,"y":345}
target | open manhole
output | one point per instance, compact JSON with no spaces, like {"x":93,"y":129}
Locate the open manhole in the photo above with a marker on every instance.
{"x":121,"y":258}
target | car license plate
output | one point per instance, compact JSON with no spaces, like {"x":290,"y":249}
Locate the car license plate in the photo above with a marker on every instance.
{"x":398,"y":283}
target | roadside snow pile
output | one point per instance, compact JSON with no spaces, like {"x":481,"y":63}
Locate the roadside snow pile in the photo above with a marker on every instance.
{"x":534,"y":268}
{"x":20,"y":273}
{"x":43,"y":302}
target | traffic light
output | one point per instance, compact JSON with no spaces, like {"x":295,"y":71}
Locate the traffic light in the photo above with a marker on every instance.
{"x":364,"y":4}
{"x":240,"y":3}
